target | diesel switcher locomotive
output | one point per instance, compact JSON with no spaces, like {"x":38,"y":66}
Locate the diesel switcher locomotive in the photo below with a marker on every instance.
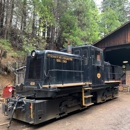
{"x":57,"y":83}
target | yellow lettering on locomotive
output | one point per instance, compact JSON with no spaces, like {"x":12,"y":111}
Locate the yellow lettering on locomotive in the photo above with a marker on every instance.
{"x":32,"y":83}
{"x":60,"y":57}
{"x":48,"y":55}
{"x":64,"y":61}
{"x":58,"y":60}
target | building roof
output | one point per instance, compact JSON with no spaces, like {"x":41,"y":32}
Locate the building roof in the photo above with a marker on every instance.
{"x":112,"y":33}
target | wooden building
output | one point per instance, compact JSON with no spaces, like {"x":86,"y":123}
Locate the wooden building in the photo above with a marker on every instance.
{"x":116,"y":48}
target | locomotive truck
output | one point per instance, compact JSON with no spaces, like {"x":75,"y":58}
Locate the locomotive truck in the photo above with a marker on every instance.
{"x":57,"y":83}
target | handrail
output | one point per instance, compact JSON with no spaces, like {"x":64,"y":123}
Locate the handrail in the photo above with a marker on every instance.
{"x":65,"y":70}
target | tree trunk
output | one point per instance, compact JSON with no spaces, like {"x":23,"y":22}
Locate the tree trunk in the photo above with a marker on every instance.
{"x":11,"y":14}
{"x":1,"y":54}
{"x":7,"y":19}
{"x":2,"y":10}
{"x":11,"y":17}
{"x":54,"y":28}
{"x":39,"y":29}
{"x":52,"y":46}
{"x":33,"y":23}
{"x":16,"y":23}
{"x":48,"y":37}
{"x":21,"y":28}
{"x":24,"y":15}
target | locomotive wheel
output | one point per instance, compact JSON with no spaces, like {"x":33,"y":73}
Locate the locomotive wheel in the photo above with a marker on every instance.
{"x":113,"y":95}
{"x":63,"y":109}
{"x":104,"y":97}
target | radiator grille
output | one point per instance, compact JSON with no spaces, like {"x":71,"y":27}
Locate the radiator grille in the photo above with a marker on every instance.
{"x":34,"y":69}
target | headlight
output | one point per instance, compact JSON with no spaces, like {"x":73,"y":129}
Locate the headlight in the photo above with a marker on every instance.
{"x":33,"y":53}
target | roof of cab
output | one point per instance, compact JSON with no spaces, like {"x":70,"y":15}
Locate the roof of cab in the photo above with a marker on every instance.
{"x":41,"y":52}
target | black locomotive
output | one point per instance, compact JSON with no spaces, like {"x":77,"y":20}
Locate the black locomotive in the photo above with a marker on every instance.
{"x":57,"y":83}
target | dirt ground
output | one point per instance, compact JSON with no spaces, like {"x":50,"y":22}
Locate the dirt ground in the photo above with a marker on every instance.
{"x":111,"y":115}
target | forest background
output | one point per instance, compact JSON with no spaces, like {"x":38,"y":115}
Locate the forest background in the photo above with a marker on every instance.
{"x":49,"y":24}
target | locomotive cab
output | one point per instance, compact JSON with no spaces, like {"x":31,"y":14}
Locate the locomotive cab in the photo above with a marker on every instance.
{"x":93,"y":63}
{"x":97,"y":66}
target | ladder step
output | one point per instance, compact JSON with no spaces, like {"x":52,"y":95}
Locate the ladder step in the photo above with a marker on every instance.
{"x":88,"y":96}
{"x":87,"y":88}
{"x":86,"y":105}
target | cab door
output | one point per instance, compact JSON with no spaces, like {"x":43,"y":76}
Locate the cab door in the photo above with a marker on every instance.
{"x":97,"y":66}
{"x":85,"y":64}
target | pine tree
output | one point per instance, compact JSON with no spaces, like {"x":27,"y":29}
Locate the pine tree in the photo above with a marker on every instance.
{"x":109,"y":21}
{"x":120,"y":7}
{"x":79,"y":21}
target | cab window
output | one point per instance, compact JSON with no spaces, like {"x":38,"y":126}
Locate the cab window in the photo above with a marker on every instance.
{"x":85,"y":56}
{"x":96,"y":57}
{"x":77,"y":52}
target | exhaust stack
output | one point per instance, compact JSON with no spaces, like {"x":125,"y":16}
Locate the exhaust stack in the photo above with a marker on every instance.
{"x":69,"y":48}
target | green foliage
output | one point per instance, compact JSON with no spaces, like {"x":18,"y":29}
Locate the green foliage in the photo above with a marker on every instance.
{"x":44,"y":10}
{"x":19,"y":54}
{"x":55,"y":22}
{"x":79,"y":22}
{"x":28,"y":47}
{"x":93,"y":32}
{"x":110,"y":21}
{"x":71,"y":30}
{"x":114,"y":14}
{"x":30,"y":44}
{"x":5,"y":45}
{"x":120,"y":7}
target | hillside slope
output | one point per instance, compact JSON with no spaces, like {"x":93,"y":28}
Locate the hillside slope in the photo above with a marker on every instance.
{"x":8,"y":57}
{"x":6,"y":80}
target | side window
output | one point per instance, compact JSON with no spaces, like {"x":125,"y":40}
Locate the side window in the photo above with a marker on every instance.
{"x":102,"y":58}
{"x":77,"y":52}
{"x":85,"y":56}
{"x":85,"y":53}
{"x":96,"y":57}
{"x":93,"y":56}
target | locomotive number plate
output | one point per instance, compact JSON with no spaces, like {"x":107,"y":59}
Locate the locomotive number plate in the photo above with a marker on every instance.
{"x":32,"y":83}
